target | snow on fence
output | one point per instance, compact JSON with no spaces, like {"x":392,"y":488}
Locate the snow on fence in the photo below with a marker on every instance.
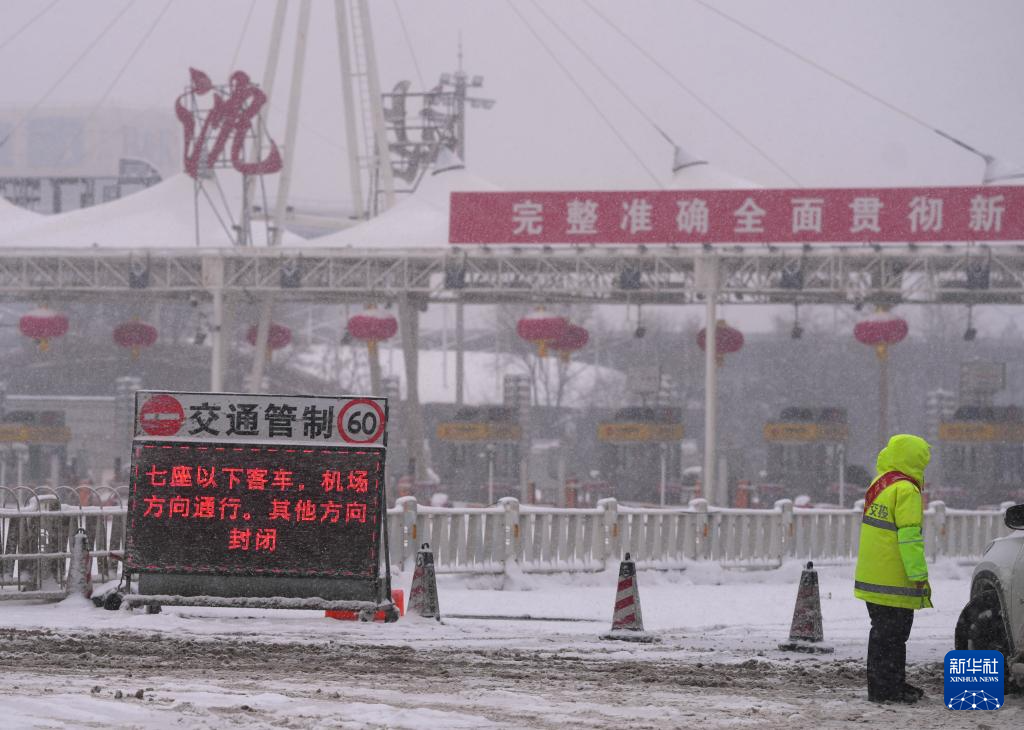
{"x":540,"y":539}
{"x":37,"y":524}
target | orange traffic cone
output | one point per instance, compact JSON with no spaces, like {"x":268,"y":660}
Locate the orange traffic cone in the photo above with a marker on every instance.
{"x":805,"y":634}
{"x":423,"y":593}
{"x":627,"y":620}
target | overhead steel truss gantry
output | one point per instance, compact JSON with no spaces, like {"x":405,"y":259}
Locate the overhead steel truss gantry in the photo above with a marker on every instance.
{"x":882,"y":275}
{"x":670,"y":275}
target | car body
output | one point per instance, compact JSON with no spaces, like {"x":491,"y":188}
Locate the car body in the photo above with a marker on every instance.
{"x":994,"y":616}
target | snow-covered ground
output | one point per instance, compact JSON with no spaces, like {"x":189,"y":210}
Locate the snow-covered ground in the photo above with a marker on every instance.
{"x":716,"y":664}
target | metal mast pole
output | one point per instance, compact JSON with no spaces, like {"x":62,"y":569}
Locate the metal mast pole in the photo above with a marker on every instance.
{"x":283,"y":186}
{"x":460,"y":352}
{"x":355,"y":180}
{"x":291,"y":130}
{"x":883,"y":395}
{"x":387,"y":181}
{"x":711,"y":382}
{"x":269,"y":76}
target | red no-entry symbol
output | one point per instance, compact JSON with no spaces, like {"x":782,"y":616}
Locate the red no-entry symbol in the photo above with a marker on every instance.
{"x":161,"y":415}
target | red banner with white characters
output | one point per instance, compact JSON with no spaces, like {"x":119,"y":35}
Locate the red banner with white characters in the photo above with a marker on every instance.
{"x":833,"y":215}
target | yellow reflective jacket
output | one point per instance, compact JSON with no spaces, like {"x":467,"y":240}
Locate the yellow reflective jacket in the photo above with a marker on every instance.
{"x":891,"y":567}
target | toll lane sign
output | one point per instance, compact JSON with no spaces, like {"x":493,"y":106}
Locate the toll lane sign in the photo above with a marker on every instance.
{"x":247,"y":418}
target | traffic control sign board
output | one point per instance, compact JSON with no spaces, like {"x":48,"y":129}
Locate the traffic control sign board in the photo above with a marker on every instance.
{"x":248,"y":418}
{"x":239,"y":497}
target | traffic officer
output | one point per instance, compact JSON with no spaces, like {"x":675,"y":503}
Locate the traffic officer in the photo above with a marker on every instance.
{"x":892,"y":576}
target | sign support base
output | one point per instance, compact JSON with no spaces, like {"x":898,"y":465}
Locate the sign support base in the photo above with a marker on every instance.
{"x":362,"y":608}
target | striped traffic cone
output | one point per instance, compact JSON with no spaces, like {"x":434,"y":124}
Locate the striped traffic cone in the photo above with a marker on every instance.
{"x":805,"y":633}
{"x":627,"y":620}
{"x":423,"y":593}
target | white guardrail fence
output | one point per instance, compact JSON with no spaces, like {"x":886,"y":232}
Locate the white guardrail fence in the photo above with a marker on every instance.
{"x":36,"y":525}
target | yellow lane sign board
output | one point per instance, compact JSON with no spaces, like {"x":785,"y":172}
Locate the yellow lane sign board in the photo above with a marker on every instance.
{"x":24,"y":433}
{"x":639,"y":433}
{"x":469,"y":432}
{"x":980,"y":431}
{"x":804,"y":432}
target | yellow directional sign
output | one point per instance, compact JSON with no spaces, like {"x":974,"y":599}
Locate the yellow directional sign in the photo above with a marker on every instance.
{"x":470,"y":432}
{"x":28,"y":434}
{"x":781,"y":431}
{"x":639,"y":433}
{"x":980,"y":431}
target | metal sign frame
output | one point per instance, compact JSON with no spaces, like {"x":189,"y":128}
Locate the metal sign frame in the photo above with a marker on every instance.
{"x":266,"y":580}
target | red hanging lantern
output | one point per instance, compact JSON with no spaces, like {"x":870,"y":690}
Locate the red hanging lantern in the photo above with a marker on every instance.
{"x":573,"y":339}
{"x":541,"y":330}
{"x":881,"y":330}
{"x":135,"y":335}
{"x":42,"y":325}
{"x":372,"y":327}
{"x":727,"y":341}
{"x":278,"y":337}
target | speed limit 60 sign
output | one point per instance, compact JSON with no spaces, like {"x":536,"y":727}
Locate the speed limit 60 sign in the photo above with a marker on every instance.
{"x":361,"y":421}
{"x":263,"y":419}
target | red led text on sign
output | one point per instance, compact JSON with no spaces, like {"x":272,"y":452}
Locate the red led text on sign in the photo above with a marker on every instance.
{"x":205,"y":507}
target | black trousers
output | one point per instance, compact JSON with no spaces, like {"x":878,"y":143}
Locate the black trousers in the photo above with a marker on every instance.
{"x":887,"y":650}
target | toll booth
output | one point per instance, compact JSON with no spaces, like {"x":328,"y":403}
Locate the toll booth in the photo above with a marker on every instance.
{"x":805,"y":450}
{"x":639,"y":450}
{"x":479,"y":453}
{"x":982,"y":455}
{"x":33,"y":447}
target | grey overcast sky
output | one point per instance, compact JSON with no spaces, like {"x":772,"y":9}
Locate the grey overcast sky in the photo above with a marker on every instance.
{"x":952,"y":64}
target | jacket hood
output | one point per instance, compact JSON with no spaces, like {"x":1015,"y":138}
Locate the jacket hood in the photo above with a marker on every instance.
{"x":907,"y":454}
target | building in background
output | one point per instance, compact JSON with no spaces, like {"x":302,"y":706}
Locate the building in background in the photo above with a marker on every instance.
{"x":60,"y":159}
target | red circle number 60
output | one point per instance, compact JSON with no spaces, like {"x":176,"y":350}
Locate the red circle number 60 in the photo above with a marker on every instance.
{"x":361,"y":421}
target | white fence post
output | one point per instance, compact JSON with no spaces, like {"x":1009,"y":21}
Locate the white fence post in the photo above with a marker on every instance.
{"x":513,"y":548}
{"x":610,"y":519}
{"x":935,"y":530}
{"x":407,"y":540}
{"x":80,"y":568}
{"x":703,"y":524}
{"x":784,"y":538}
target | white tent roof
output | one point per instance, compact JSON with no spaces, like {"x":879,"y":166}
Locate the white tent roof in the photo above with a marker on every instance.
{"x":15,"y":218}
{"x":693,"y":173}
{"x":421,"y":219}
{"x":160,"y":217}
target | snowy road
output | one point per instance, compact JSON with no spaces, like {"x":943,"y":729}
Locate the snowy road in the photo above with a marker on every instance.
{"x":715,"y":666}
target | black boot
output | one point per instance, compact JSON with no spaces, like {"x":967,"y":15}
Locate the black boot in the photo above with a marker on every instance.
{"x":911,"y":689}
{"x":907,"y":695}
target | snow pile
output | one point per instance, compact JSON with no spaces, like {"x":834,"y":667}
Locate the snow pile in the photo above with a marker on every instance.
{"x":716,"y":666}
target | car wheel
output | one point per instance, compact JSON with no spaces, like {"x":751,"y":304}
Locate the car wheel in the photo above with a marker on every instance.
{"x":981,"y":627}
